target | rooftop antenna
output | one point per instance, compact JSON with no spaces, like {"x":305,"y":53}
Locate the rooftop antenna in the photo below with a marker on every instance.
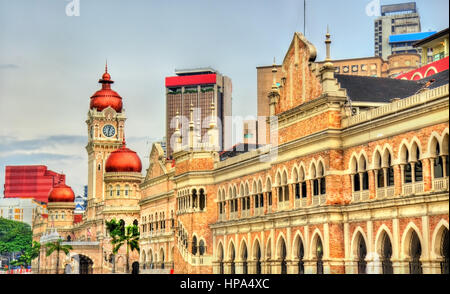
{"x":304,"y":18}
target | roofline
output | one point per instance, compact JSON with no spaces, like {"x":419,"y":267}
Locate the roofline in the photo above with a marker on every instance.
{"x":358,"y":58}
{"x":432,"y":37}
{"x":195,"y":70}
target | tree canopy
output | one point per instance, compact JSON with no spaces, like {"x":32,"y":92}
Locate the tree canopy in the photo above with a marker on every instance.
{"x":14,"y":236}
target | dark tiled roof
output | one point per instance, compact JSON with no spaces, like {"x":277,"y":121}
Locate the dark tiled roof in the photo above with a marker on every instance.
{"x":373,"y":89}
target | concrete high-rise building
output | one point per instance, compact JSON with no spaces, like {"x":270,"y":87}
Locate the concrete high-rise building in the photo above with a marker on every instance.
{"x":206,"y":91}
{"x":395,"y":19}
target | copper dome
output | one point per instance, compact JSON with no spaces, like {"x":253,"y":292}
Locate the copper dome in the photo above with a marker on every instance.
{"x":123,"y":160}
{"x":105,"y":96}
{"x":61,"y":193}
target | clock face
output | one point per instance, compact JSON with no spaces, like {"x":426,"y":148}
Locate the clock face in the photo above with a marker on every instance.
{"x":109,"y":130}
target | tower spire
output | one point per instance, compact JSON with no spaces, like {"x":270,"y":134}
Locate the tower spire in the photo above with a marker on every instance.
{"x":327,"y":44}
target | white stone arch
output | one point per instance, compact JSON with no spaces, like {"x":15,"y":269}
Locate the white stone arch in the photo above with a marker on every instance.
{"x":387,"y":150}
{"x":246,"y":188}
{"x":406,"y":239}
{"x":235,"y":191}
{"x":321,"y":165}
{"x":254,"y":186}
{"x":256,"y":241}
{"x":434,"y":139}
{"x":162,"y":255}
{"x":402,"y":151}
{"x":431,"y":68}
{"x":142,"y":257}
{"x":376,"y":156}
{"x":313,"y":243}
{"x":150,"y":256}
{"x":268,"y":185}
{"x":281,"y":237}
{"x":301,"y":171}
{"x":241,"y":249}
{"x":220,"y":253}
{"x":230,"y":192}
{"x":294,"y":174}
{"x":231,"y":246}
{"x":444,"y":142}
{"x":363,"y":156}
{"x":354,"y":243}
{"x":312,"y":169}
{"x":241,"y":189}
{"x":298,"y":237}
{"x":284,"y":177}
{"x":379,"y":242}
{"x":268,"y":250}
{"x":415,"y":142}
{"x":436,"y":239}
{"x":353,"y":164}
{"x":278,"y":178}
{"x":260,"y":185}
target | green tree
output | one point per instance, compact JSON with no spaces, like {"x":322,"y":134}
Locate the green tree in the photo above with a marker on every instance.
{"x":57,"y":246}
{"x":115,"y":230}
{"x":120,"y":236}
{"x":14,"y":236}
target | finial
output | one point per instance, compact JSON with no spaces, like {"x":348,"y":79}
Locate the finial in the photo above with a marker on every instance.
{"x":274,"y":71}
{"x":123,"y":139}
{"x":106,"y":66}
{"x":327,"y":44}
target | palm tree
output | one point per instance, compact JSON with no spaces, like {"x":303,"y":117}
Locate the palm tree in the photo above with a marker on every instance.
{"x":115,"y":230}
{"x":132,"y":239}
{"x":57,"y":246}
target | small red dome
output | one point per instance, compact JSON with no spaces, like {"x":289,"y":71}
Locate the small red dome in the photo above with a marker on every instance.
{"x":105,"y":96}
{"x":61,"y":193}
{"x":123,"y":160}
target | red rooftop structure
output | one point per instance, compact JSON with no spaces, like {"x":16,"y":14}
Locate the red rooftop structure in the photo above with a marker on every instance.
{"x":31,"y":181}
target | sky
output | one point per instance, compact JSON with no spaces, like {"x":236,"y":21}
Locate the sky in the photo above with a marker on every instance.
{"x":50,"y":62}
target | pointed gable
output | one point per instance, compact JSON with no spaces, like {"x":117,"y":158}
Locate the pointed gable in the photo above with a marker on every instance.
{"x":299,"y":83}
{"x":157,"y":162}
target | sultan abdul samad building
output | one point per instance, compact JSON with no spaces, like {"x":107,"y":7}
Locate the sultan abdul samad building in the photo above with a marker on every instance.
{"x":339,"y":189}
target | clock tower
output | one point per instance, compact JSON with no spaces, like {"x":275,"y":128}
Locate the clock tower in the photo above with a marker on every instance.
{"x":105,"y":125}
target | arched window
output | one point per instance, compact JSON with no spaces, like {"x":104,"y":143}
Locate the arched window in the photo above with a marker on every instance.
{"x":258,"y":259}
{"x":438,"y":163}
{"x":362,"y":252}
{"x":415,"y":251}
{"x":301,"y":254}
{"x":117,"y":190}
{"x":390,"y":171}
{"x":232,"y":256}
{"x":269,"y":192}
{"x":220,"y":253}
{"x":407,"y":171}
{"x":194,"y":245}
{"x":194,"y":198}
{"x":319,"y":256}
{"x":444,"y":252}
{"x":302,"y":182}
{"x":386,"y":253}
{"x":356,"y":178}
{"x":378,"y":163}
{"x":201,"y":247}
{"x":111,"y":192}
{"x":202,"y":200}
{"x":296,"y":184}
{"x":418,"y":169}
{"x":322,"y":181}
{"x":283,"y":258}
{"x":127,"y":189}
{"x":244,"y":260}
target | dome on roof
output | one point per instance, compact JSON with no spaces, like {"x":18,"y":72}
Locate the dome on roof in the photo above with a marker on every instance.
{"x":61,"y":193}
{"x":106,"y":97}
{"x":123,"y":160}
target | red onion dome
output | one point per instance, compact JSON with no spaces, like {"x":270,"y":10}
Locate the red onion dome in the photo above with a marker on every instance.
{"x":106,"y":96}
{"x":123,"y":160}
{"x":61,"y":193}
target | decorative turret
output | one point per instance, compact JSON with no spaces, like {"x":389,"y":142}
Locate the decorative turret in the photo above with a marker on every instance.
{"x":106,"y":96}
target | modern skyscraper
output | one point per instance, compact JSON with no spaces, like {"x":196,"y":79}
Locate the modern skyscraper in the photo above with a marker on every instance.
{"x":203,"y":89}
{"x":395,"y":19}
